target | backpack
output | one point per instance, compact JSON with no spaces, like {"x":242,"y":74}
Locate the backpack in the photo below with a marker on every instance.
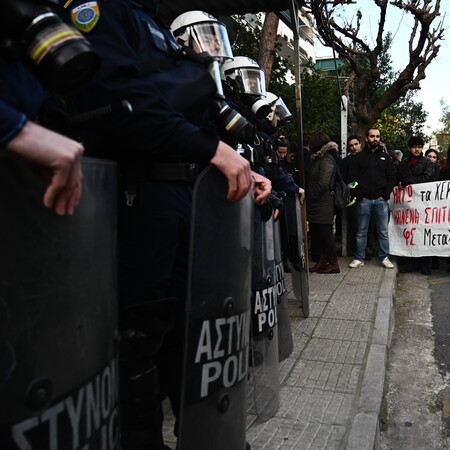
{"x":340,"y":191}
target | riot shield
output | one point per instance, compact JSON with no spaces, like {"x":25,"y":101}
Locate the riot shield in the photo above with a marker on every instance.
{"x":58,"y":308}
{"x":285,"y":339}
{"x":264,"y":386}
{"x":214,"y":390}
{"x":297,"y":260}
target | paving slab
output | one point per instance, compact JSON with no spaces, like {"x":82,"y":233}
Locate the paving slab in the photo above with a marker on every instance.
{"x":331,"y":385}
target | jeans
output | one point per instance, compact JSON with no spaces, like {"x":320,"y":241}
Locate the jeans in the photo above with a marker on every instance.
{"x":365,"y":208}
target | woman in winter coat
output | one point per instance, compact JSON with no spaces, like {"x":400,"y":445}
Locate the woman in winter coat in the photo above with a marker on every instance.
{"x":320,"y":202}
{"x":433,"y":155}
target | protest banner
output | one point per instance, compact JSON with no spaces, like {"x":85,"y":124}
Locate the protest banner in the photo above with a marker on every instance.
{"x":419,"y":224}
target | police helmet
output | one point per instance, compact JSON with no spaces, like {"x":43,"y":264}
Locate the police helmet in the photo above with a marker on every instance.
{"x":203,"y":33}
{"x":246,"y":74}
{"x":278,"y":107}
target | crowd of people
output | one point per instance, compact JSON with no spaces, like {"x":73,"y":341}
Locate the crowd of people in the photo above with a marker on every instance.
{"x":375,"y":170}
{"x":177,"y":128}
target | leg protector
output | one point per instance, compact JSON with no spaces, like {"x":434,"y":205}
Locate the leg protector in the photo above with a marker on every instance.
{"x":143,"y":329}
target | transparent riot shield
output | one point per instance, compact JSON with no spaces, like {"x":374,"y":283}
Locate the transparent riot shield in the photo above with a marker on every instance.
{"x":58,"y":308}
{"x":285,"y":339}
{"x":264,"y":385}
{"x":297,"y":261}
{"x":214,"y":391}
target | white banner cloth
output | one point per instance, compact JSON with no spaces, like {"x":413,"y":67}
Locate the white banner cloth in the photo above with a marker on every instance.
{"x":419,"y":224}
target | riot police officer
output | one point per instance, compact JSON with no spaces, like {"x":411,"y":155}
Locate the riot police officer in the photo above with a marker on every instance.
{"x":160,"y":150}
{"x":35,"y":44}
{"x":21,"y":96}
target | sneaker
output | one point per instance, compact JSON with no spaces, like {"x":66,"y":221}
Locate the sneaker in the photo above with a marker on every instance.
{"x":386,"y":263}
{"x":356,"y":263}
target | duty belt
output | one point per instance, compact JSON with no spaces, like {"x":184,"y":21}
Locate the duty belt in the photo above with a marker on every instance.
{"x":157,"y":171}
{"x":173,"y":172}
{"x":163,"y":171}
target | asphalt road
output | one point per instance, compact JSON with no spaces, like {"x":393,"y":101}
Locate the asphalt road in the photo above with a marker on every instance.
{"x":416,"y":404}
{"x":440,"y":308}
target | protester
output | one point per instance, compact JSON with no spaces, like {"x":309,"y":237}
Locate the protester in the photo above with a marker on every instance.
{"x":432,"y":154}
{"x":320,"y":202}
{"x":444,"y":173}
{"x":285,"y":155}
{"x":294,"y":162}
{"x":282,"y":149}
{"x":354,"y":146}
{"x":396,"y":156}
{"x":415,"y":168}
{"x":374,"y":171}
{"x":160,"y":148}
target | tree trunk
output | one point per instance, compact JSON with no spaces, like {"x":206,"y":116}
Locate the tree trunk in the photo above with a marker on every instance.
{"x":267,"y":46}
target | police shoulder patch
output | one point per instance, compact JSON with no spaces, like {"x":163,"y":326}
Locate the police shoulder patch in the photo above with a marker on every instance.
{"x":86,"y":16}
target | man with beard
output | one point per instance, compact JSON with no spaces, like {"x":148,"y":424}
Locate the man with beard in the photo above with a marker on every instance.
{"x":374,"y":171}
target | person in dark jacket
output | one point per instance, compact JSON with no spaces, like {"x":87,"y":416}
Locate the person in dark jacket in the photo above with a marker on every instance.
{"x":320,"y":202}
{"x":285,"y":161}
{"x":396,"y":156}
{"x":444,"y":173}
{"x":414,"y":169}
{"x":374,"y":171}
{"x":433,"y":155}
{"x":354,"y":146}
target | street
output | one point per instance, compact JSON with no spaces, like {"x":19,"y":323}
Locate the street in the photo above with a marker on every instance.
{"x":416,"y":403}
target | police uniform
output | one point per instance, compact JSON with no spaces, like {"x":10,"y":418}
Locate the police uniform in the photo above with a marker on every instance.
{"x":159,"y":149}
{"x":21,"y":96}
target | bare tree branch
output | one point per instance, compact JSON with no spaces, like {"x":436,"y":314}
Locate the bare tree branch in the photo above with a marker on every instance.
{"x":423,"y":47}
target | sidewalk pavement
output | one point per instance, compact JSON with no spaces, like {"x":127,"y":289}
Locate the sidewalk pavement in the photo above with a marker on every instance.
{"x":332,"y":384}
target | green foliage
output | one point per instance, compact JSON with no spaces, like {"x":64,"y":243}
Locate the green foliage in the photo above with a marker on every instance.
{"x":321,"y":108}
{"x":320,"y":97}
{"x":402,"y":119}
{"x":247,"y":43}
{"x":248,"y":37}
{"x":443,"y":134}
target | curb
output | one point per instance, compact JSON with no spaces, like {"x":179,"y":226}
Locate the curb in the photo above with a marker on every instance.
{"x":365,"y":429}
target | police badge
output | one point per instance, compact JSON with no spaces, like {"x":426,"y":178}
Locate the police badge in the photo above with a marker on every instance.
{"x":86,"y":16}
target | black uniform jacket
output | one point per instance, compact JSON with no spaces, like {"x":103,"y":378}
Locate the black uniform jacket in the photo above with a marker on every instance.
{"x":170,"y":97}
{"x":21,"y":96}
{"x":423,"y":171}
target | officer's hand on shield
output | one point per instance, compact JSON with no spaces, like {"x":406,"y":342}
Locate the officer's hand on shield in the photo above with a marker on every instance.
{"x":59,"y":154}
{"x":301,"y":195}
{"x":261,"y":189}
{"x":235,"y":168}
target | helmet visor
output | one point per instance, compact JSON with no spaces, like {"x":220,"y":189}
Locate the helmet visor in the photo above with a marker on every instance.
{"x":250,"y":81}
{"x":210,"y":37}
{"x":281,"y":109}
